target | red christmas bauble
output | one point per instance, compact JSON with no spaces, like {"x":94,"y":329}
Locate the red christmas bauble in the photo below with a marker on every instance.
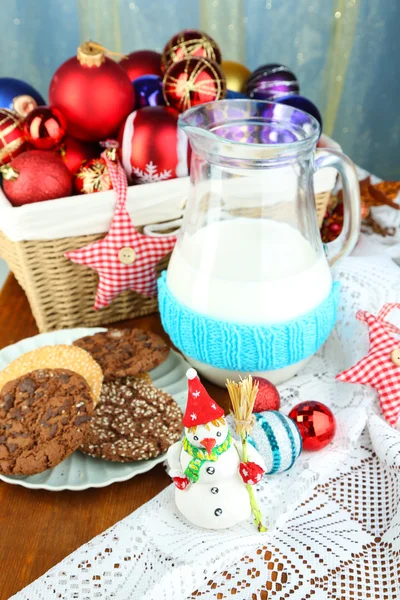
{"x":316,"y":423}
{"x":12,"y":136}
{"x":190,"y":42}
{"x":142,"y":62}
{"x":152,"y":147}
{"x":93,"y":92}
{"x":93,"y":176}
{"x":36,"y":175}
{"x":75,"y":152}
{"x":193,"y":81}
{"x":268,"y":397}
{"x":45,"y":127}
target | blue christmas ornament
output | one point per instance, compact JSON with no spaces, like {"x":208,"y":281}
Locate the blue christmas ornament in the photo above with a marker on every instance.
{"x":148,"y":91}
{"x":230,"y":94}
{"x":277,"y":439}
{"x":19,"y":96}
{"x":303,"y":104}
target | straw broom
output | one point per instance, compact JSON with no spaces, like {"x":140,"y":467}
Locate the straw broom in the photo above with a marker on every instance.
{"x":242,"y":396}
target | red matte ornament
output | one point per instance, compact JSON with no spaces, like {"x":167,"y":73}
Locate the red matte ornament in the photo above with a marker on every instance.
{"x":12,"y":136}
{"x":93,"y":176}
{"x":142,"y":62}
{"x":152,"y":147}
{"x":190,"y":42}
{"x":193,"y":81}
{"x":268,"y":397}
{"x":316,"y":423}
{"x":93,"y":92}
{"x":45,"y":127}
{"x":75,"y":152}
{"x":34,"y":176}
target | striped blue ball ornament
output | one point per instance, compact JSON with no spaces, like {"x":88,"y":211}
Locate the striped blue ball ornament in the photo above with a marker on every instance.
{"x":277,"y":439}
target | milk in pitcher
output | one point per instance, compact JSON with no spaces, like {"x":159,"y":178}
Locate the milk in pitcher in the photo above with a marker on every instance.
{"x":248,"y":271}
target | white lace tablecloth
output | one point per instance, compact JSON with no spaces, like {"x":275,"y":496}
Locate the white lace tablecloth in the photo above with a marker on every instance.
{"x":334,"y":518}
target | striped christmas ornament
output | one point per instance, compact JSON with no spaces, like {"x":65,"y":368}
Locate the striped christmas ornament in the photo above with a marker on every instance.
{"x":12,"y":136}
{"x":277,"y":439}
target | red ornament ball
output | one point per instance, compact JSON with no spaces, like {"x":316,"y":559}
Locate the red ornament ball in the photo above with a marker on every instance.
{"x":93,"y":92}
{"x":268,"y":397}
{"x":152,"y":147}
{"x":193,"y":81}
{"x":190,"y":42}
{"x":316,"y":423}
{"x":93,"y":176}
{"x":12,"y":136}
{"x":45,"y":127}
{"x":35,"y":176}
{"x":142,"y":62}
{"x":335,"y":228}
{"x":75,"y":152}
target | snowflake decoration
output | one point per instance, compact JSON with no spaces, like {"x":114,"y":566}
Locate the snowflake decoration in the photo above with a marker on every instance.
{"x":214,"y":406}
{"x":196,"y":394}
{"x":150,"y":174}
{"x":193,"y":416}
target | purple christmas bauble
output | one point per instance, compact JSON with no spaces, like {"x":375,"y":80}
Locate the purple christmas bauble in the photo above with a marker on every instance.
{"x":148,"y":91}
{"x":272,"y":81}
{"x":303,"y":104}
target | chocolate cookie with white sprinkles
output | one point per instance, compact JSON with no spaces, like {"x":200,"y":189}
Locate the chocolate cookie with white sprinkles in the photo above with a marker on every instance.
{"x":132,"y":421}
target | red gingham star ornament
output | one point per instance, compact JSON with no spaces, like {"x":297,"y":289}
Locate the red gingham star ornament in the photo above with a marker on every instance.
{"x":381,"y":367}
{"x":124,"y":259}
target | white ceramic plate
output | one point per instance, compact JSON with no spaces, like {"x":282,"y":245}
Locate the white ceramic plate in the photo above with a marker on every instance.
{"x":79,"y":471}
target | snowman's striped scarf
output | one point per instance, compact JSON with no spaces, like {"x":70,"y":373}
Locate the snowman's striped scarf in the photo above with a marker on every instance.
{"x":200,"y":456}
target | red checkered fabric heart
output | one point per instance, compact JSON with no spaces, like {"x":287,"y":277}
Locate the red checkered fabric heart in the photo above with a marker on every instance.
{"x":124,"y":259}
{"x":380,"y":368}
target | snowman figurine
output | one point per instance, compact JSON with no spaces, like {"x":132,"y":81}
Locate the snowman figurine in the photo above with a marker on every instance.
{"x":206,"y":466}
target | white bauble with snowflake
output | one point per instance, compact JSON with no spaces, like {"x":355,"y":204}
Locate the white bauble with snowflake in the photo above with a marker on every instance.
{"x":152,"y":146}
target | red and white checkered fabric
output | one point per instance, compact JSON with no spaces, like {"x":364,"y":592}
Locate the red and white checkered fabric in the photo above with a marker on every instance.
{"x":103,"y":256}
{"x":377,"y":369}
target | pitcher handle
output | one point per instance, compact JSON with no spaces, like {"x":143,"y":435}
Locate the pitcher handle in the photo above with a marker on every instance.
{"x":348,"y":238}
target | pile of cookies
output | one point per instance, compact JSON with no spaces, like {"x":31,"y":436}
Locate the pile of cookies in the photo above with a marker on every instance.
{"x":95,"y":395}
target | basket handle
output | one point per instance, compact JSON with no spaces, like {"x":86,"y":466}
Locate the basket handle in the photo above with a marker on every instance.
{"x":160,"y":229}
{"x":348,"y":238}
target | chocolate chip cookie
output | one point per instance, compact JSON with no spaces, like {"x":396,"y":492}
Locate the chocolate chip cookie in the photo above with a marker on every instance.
{"x":43,"y":418}
{"x":125,"y":352}
{"x":132,"y":421}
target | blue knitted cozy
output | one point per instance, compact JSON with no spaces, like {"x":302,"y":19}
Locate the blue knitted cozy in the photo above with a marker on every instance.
{"x":239,"y":347}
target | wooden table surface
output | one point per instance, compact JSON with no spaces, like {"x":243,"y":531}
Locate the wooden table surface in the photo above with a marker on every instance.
{"x":39,"y":528}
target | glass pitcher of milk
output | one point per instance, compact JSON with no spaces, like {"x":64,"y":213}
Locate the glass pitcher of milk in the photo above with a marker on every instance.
{"x":249,"y":286}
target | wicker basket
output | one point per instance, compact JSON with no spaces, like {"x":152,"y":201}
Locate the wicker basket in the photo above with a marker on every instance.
{"x":61,"y":294}
{"x":321,"y":204}
{"x":46,"y":277}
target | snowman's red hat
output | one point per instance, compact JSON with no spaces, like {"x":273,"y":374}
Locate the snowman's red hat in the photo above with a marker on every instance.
{"x":200,"y":408}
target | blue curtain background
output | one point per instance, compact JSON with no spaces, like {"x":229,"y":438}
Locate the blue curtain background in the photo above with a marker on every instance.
{"x":345,"y":52}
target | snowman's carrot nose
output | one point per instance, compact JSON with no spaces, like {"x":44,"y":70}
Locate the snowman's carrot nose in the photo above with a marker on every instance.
{"x":208,"y":444}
